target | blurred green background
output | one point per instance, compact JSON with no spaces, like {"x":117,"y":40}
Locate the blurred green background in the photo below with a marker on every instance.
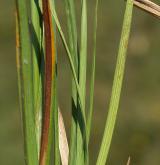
{"x":137,"y":131}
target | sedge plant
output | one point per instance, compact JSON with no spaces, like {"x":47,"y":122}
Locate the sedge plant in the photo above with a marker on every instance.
{"x":45,"y":140}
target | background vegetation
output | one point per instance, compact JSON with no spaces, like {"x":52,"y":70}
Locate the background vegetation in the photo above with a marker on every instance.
{"x":137,"y":130}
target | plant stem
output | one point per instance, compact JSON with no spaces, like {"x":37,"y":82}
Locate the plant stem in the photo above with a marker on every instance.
{"x":49,"y":89}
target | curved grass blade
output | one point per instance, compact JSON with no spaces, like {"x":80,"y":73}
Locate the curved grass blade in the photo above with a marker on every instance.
{"x":72,"y":33}
{"x":26,"y":84}
{"x":82,"y":149}
{"x":54,"y":14}
{"x":117,"y":85}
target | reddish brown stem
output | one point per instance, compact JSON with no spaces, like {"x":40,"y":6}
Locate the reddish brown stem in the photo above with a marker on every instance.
{"x":47,"y":82}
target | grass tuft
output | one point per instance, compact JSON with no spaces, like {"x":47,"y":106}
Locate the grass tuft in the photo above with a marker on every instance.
{"x":44,"y":131}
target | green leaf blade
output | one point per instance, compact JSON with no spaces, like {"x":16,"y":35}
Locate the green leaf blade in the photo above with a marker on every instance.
{"x":117,"y":85}
{"x":72,"y":34}
{"x":92,"y":83}
{"x":26,"y":85}
{"x":82,"y":148}
{"x":37,"y":56}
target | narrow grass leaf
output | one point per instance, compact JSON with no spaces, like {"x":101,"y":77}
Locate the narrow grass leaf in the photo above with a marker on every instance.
{"x":54,"y":14}
{"x":92,"y":83}
{"x":83,"y":52}
{"x":117,"y":85}
{"x":26,"y":75}
{"x":37,"y":56}
{"x":18,"y":61}
{"x":82,"y":150}
{"x":72,"y":34}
